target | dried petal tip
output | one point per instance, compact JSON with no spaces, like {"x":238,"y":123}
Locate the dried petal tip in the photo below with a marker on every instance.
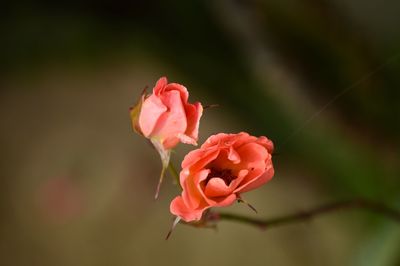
{"x":176,"y":221}
{"x":210,"y":106}
{"x":240,"y":200}
{"x":134,"y":112}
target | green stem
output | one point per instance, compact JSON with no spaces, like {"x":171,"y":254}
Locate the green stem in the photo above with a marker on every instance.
{"x":174,"y":173}
{"x":368,"y":205}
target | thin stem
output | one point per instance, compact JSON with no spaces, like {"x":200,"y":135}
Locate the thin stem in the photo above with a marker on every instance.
{"x":368,"y":205}
{"x":174,"y":173}
{"x":159,"y":183}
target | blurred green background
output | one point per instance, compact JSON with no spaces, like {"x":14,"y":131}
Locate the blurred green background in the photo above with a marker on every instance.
{"x":77,"y":184}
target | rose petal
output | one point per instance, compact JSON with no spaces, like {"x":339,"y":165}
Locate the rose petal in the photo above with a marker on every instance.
{"x":216,"y":187}
{"x":233,"y":156}
{"x":241,"y":139}
{"x":193,"y":115}
{"x":252,"y":155}
{"x":264,"y":141}
{"x":214,"y":140}
{"x":186,"y":139}
{"x":198,"y":159}
{"x":184,"y":95}
{"x":160,"y":85}
{"x":257,"y":182}
{"x":179,"y":208}
{"x":151,"y":111}
{"x":192,"y":194}
{"x":236,"y":182}
{"x":225,"y":201}
{"x":172,"y":122}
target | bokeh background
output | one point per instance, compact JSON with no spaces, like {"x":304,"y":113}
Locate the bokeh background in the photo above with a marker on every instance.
{"x":318,"y":77}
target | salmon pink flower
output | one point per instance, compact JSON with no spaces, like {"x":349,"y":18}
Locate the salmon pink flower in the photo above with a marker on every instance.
{"x":166,"y":115}
{"x":216,"y":174}
{"x":166,"y":118}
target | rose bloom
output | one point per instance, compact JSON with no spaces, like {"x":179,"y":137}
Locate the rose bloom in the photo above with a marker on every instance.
{"x":166,"y":117}
{"x":216,"y":174}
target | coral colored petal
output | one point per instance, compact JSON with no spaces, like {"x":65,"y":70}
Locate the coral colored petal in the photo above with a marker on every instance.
{"x":214,"y":140}
{"x":186,"y":139}
{"x":160,"y":85}
{"x":226,"y":201}
{"x":264,"y":141}
{"x":192,"y":194}
{"x":252,"y":183}
{"x":252,"y":153}
{"x":241,"y":175}
{"x":178,"y":87}
{"x":254,"y":158}
{"x":170,"y":142}
{"x":216,"y":187}
{"x":235,"y":140}
{"x":172,"y":122}
{"x":252,"y":175}
{"x":193,"y":115}
{"x":233,"y":156}
{"x":257,"y":182}
{"x":192,"y":157}
{"x":223,"y":161}
{"x":152,"y":109}
{"x":243,"y":138}
{"x":198,"y":159}
{"x":216,"y":201}
{"x":179,"y":208}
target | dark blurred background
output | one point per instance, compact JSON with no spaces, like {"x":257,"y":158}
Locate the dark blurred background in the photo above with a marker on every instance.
{"x":318,"y":77}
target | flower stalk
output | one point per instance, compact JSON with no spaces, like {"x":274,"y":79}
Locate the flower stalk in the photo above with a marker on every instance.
{"x":174,"y":174}
{"x":358,"y":203}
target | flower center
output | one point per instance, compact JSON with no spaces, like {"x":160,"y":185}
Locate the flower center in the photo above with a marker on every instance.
{"x":224,"y":174}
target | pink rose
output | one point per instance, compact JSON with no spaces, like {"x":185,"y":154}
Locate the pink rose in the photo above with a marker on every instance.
{"x":216,"y":174}
{"x":166,"y":117}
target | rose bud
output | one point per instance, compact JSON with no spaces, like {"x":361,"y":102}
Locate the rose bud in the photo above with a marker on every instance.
{"x":166,"y":118}
{"x":216,"y":174}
